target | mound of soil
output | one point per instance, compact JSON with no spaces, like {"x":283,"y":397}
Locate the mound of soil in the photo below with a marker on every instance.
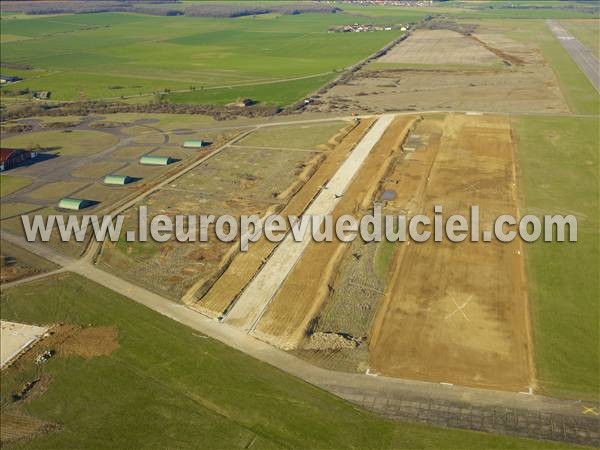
{"x":330,"y":341}
{"x":89,"y":342}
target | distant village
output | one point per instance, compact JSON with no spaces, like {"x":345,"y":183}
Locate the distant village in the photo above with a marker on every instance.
{"x":410,"y":3}
{"x":364,"y":28}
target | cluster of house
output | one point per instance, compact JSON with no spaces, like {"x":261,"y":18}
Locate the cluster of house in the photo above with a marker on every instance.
{"x":361,"y":28}
{"x":38,"y":95}
{"x":411,"y":3}
{"x":5,"y":79}
{"x":41,"y":95}
{"x":243,"y":103}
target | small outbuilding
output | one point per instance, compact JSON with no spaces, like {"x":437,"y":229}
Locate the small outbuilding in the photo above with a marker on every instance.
{"x":5,"y":79}
{"x":42,"y":95}
{"x":74,"y":204}
{"x":195,"y":144}
{"x":117,"y":179}
{"x":149,"y":160}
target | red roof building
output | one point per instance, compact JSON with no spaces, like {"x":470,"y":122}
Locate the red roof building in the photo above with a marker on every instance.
{"x":11,"y":157}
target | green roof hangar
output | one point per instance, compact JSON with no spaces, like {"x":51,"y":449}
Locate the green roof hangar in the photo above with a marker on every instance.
{"x":74,"y":204}
{"x":149,"y":160}
{"x":195,"y":144}
{"x":117,"y":179}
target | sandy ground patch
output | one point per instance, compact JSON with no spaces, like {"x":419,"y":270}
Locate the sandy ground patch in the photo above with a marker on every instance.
{"x":89,"y":342}
{"x":458,"y":312}
{"x":439,"y":47}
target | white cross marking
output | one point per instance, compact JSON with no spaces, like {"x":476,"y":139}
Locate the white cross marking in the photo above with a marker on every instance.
{"x":459,"y":308}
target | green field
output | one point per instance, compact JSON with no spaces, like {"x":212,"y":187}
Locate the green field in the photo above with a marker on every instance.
{"x":167,"y":387}
{"x":307,"y":136}
{"x":580,"y":94}
{"x":113,"y":55}
{"x":277,"y":93}
{"x":587,"y":31}
{"x":559,"y":164}
{"x":274,"y":59}
{"x":10,"y":184}
{"x":477,"y":10}
{"x":78,"y":142}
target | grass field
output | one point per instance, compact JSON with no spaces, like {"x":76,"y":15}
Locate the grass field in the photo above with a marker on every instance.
{"x":293,"y":136}
{"x":563,"y":276}
{"x":578,"y":91}
{"x":278,"y":93}
{"x":13,"y":209}
{"x":109,"y":55}
{"x":473,"y":10}
{"x":587,"y":31}
{"x":78,"y":142}
{"x":166,"y":386}
{"x":10,"y":184}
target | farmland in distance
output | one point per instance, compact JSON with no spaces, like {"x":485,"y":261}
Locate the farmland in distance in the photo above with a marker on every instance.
{"x":278,"y":58}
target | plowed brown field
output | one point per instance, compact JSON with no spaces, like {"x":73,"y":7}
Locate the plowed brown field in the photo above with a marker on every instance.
{"x":457,"y":312}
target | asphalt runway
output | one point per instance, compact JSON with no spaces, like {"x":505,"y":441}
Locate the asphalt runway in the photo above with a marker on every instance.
{"x":585,"y":59}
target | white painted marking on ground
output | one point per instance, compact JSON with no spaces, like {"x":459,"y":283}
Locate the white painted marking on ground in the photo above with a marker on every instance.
{"x":459,"y":308}
{"x":16,"y":337}
{"x":472,"y":187}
